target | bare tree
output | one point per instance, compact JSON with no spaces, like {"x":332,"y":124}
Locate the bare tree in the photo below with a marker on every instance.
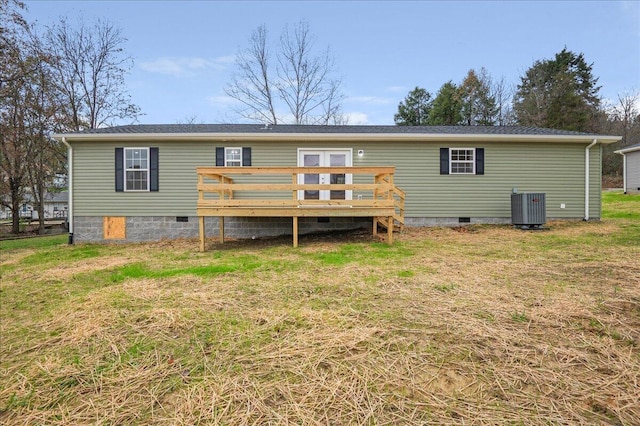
{"x":304,"y":83}
{"x":70,"y":79}
{"x":46,"y":156}
{"x":13,"y":153}
{"x":90,"y":67}
{"x":251,"y":85}
{"x":16,"y":65}
{"x":502,"y":92}
{"x":13,"y":28}
{"x":304,"y":80}
{"x":627,"y":114}
{"x":622,"y":118}
{"x":190,"y":119}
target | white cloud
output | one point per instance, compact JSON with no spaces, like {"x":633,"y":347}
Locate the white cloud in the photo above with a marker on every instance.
{"x":186,"y":66}
{"x":356,"y":118}
{"x":396,"y":89}
{"x":222,"y":100}
{"x":370,"y":100}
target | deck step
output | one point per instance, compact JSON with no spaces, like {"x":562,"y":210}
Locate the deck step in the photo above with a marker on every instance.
{"x":384,"y":222}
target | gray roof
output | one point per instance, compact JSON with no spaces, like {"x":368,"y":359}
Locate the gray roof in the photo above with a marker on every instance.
{"x":50,"y":197}
{"x":315,"y":129}
{"x":631,"y":148}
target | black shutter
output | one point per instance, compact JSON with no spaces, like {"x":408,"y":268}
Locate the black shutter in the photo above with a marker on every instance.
{"x":479,"y":161}
{"x":119,"y":169}
{"x":444,"y":161}
{"x":153,"y":170}
{"x":219,"y":156}
{"x":246,"y":157}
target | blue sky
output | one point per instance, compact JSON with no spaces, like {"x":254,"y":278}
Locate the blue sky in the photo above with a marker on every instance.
{"x":183,"y":51}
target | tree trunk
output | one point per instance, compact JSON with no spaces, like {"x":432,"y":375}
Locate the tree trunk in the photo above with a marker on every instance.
{"x":15,"y":206}
{"x":40,"y":205}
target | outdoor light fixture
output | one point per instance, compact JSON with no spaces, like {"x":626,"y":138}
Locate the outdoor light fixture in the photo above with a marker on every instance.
{"x":360,"y":152}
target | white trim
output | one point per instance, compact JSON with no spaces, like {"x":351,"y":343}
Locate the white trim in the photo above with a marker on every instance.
{"x":70,"y":187}
{"x":586,"y":178}
{"x":228,"y":148}
{"x":125,"y":169}
{"x":327,"y":151}
{"x":624,"y":173}
{"x":387,"y":137}
{"x":472,"y":161}
{"x":627,"y":149}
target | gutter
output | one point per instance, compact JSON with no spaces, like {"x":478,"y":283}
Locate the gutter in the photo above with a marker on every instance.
{"x":586,"y":178}
{"x":335,"y":137}
{"x":70,"y":180}
{"x":624,"y":173}
{"x":624,"y":169}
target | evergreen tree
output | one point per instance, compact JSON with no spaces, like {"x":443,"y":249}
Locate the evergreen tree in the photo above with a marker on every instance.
{"x":415,"y":109}
{"x":559,"y":93}
{"x":446,"y":108}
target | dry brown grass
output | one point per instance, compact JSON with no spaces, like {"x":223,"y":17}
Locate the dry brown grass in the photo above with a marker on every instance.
{"x":477,"y":325}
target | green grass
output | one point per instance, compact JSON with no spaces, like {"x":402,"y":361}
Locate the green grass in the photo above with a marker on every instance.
{"x":618,"y":205}
{"x":489,"y":326}
{"x":33,"y":243}
{"x":138,"y":271}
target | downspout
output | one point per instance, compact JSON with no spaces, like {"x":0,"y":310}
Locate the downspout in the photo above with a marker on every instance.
{"x":70,"y":180}
{"x":586,"y":178}
{"x":624,"y":173}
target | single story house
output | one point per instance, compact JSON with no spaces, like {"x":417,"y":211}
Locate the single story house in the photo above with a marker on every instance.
{"x":140,"y":183}
{"x":55,"y":207}
{"x":630,"y":168}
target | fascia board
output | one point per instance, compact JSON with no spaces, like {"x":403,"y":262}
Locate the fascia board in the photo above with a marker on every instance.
{"x":355,"y":137}
{"x":627,"y":150}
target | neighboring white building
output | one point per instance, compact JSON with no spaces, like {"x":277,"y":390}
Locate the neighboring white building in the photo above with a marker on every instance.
{"x":631,"y":168}
{"x":56,"y":206}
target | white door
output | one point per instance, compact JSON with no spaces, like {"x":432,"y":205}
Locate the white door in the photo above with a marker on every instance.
{"x":324,"y":158}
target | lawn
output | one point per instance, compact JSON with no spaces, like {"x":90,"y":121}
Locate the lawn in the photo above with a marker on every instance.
{"x":474,"y":325}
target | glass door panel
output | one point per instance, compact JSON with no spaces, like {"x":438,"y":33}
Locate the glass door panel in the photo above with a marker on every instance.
{"x":337,"y":160}
{"x":324,"y":158}
{"x":311,"y":160}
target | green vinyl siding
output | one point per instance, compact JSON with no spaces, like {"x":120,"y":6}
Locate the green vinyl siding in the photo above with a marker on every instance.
{"x":556,"y":169}
{"x":94,"y":180}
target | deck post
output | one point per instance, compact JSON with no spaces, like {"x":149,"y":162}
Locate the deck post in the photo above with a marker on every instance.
{"x":378,"y":202}
{"x":202,"y":232}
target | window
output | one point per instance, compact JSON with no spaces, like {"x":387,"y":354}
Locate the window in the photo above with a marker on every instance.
{"x":136,"y":163}
{"x":137,"y":169}
{"x":233,"y":157}
{"x":462,"y":161}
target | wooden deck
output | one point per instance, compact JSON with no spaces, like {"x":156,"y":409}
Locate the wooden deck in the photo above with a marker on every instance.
{"x":278,"y":192}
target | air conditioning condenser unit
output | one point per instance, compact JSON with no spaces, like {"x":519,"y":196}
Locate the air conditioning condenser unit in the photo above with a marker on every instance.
{"x":528,"y":210}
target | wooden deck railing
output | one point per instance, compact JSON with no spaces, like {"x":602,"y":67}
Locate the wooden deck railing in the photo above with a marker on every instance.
{"x":279,"y":192}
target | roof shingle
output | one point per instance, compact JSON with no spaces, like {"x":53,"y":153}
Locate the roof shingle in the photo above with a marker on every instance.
{"x":314,"y":129}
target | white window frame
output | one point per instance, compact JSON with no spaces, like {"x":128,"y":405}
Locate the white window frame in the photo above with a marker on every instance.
{"x":127,"y":169}
{"x":227,"y":150}
{"x":459,"y":162}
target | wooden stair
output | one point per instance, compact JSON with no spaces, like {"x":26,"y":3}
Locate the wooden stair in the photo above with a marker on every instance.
{"x":398,"y":217}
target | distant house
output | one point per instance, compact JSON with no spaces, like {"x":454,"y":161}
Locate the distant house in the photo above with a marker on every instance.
{"x":631,"y":168}
{"x":139,"y":182}
{"x":55,"y":207}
